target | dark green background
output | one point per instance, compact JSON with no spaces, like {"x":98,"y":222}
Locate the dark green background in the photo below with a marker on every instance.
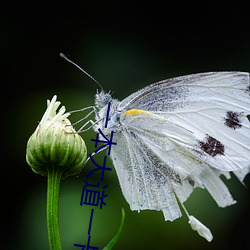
{"x":125,"y":45}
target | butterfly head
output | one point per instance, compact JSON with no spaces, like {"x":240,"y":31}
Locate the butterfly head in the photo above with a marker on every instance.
{"x":107,"y":116}
{"x":102,"y":99}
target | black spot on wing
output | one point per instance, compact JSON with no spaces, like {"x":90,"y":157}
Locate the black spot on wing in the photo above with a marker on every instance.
{"x":190,"y":181}
{"x":233,"y":119}
{"x":212,"y":146}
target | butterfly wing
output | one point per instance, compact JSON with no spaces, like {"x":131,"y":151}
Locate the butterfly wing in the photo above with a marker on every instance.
{"x":179,"y":134}
{"x":213,"y":106}
{"x":152,"y":168}
{"x":138,"y":179}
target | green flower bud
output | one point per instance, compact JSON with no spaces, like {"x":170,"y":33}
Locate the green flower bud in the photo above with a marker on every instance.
{"x":55,"y":143}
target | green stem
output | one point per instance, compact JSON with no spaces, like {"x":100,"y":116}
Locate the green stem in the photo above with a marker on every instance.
{"x":117,"y":234}
{"x":54,"y":177}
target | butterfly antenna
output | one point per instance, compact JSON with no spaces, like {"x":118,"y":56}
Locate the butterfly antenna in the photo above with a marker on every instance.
{"x":68,"y":60}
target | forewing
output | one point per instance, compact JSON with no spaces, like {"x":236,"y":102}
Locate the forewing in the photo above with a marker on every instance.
{"x":213,"y":107}
{"x":176,"y":93}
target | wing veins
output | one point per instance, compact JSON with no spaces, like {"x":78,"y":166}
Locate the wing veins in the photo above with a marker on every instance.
{"x":131,"y":153}
{"x":142,"y":172}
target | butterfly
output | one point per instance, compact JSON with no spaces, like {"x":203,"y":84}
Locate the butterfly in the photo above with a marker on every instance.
{"x":178,"y":134}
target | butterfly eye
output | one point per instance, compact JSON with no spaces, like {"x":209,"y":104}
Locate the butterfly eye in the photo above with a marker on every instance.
{"x":106,"y":98}
{"x":102,"y":99}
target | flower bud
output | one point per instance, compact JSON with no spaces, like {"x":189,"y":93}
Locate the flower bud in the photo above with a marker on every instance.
{"x":55,"y":144}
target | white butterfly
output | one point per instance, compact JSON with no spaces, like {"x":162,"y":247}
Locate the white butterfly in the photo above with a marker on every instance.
{"x":178,"y":134}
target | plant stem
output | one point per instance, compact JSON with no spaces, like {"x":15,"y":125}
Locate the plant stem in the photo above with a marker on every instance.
{"x":117,"y":234}
{"x":54,"y":177}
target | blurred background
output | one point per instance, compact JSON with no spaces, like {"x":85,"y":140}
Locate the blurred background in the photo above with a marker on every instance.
{"x":125,"y":45}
